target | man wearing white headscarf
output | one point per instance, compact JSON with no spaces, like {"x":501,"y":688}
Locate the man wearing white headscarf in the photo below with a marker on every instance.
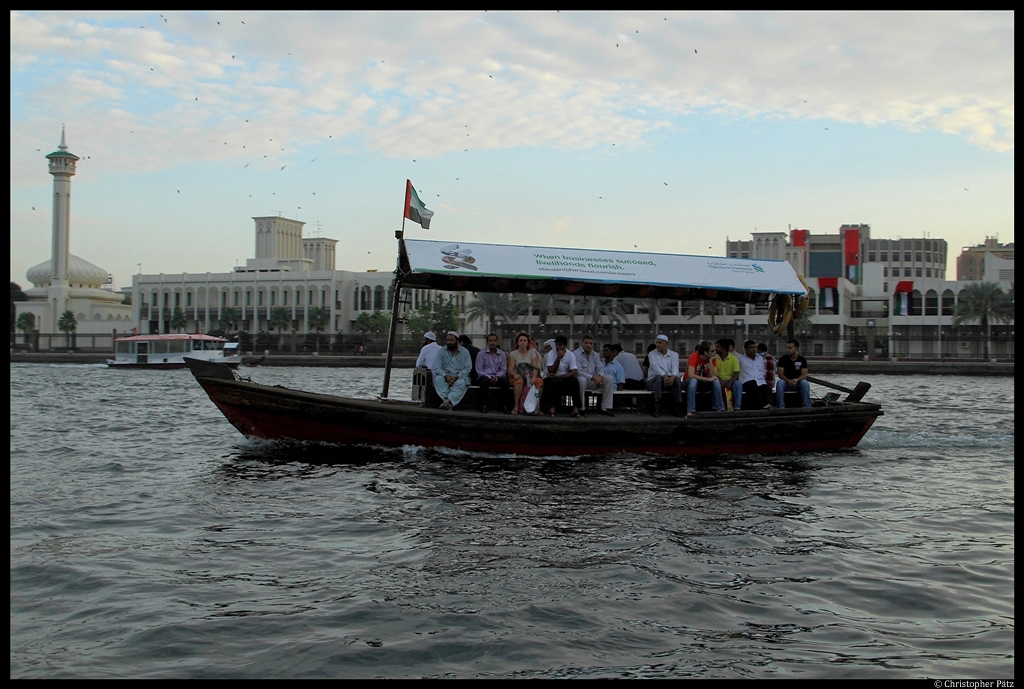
{"x":429,"y":350}
{"x":451,"y":372}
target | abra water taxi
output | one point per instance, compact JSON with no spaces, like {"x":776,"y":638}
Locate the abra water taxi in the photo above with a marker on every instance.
{"x":171,"y":351}
{"x":275,"y":412}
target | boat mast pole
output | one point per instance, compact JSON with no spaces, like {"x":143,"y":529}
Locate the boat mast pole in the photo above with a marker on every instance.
{"x":395,"y":296}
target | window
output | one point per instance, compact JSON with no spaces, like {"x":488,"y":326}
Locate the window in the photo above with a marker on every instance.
{"x":907,"y":272}
{"x":177,"y":298}
{"x":917,"y":256}
{"x":928,"y":256}
{"x":917,"y":271}
{"x":165,"y":299}
{"x":885,"y":256}
{"x":272,"y":295}
{"x":931,"y":303}
{"x":223,"y":298}
{"x":871,"y":257}
{"x":259,"y":298}
{"x":885,"y":271}
{"x":248,"y":298}
{"x":188,"y":299}
{"x":284,"y":298}
{"x":235,"y":300}
{"x":947,"y":303}
{"x":927,"y":272}
{"x":885,"y":287}
{"x":906,"y":256}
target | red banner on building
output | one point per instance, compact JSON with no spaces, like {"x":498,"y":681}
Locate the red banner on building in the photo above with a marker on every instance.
{"x":799,"y":237}
{"x":851,"y":253}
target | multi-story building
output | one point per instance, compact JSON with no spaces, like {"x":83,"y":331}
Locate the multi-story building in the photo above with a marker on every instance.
{"x":289,"y":271}
{"x":990,"y":262}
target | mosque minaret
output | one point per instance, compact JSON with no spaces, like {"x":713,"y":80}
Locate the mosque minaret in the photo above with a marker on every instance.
{"x":62,"y":167}
{"x":67,"y":282}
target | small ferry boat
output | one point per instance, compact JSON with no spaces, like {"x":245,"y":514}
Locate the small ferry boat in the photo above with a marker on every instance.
{"x":275,"y":412}
{"x":171,"y":351}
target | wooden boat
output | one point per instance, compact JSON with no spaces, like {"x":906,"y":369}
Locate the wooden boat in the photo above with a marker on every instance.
{"x":171,"y":351}
{"x":274,"y":412}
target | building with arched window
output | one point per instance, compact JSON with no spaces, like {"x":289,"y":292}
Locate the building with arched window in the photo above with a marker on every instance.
{"x":289,"y":272}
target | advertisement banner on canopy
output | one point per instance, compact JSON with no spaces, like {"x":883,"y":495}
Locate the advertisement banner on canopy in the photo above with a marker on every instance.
{"x":593,"y":265}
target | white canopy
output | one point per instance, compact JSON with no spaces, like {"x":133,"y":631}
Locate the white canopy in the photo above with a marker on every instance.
{"x":508,"y":268}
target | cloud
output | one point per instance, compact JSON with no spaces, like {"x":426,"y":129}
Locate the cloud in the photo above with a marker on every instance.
{"x":402,"y":82}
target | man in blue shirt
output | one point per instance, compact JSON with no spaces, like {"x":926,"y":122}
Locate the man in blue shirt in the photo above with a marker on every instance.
{"x":614,"y":372}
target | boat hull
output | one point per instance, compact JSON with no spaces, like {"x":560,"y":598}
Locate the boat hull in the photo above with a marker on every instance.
{"x":277,"y":413}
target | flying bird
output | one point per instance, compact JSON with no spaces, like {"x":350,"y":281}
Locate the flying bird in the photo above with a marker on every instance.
{"x":33,"y":207}
{"x":179,"y":191}
{"x":245,"y":166}
{"x":283,"y":166}
{"x":694,"y":51}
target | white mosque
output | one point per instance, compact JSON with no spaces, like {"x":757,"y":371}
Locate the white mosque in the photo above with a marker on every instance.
{"x":67,"y":282}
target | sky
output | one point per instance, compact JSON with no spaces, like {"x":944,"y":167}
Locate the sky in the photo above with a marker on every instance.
{"x":667,"y":132}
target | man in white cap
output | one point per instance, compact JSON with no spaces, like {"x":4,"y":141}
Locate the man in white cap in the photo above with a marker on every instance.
{"x":451,"y":372}
{"x":664,"y":375}
{"x":549,"y":346}
{"x":429,"y":350}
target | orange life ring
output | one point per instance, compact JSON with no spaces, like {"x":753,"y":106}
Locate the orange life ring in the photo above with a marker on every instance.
{"x":780,"y":313}
{"x":800,"y":307}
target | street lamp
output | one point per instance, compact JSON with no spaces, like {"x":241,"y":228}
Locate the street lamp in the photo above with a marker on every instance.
{"x":871,"y":339}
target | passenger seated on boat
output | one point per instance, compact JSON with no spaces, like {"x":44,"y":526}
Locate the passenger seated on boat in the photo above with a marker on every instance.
{"x":561,"y":381}
{"x":792,"y":370}
{"x":614,"y":373}
{"x":466,"y":342}
{"x":523,"y":369}
{"x":752,"y":378}
{"x":451,"y":372}
{"x":428,"y":351}
{"x":646,"y":365}
{"x":591,"y":375}
{"x":663,"y":374}
{"x":634,"y":374}
{"x":728,"y":368}
{"x":701,"y":376}
{"x":492,"y":371}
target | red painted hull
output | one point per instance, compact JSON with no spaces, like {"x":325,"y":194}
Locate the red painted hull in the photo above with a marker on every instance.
{"x":279,"y":413}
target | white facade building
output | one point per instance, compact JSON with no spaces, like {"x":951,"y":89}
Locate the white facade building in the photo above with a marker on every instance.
{"x":289,"y":271}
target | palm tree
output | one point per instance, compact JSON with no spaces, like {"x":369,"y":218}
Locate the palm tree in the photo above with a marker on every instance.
{"x":279,"y":319}
{"x":178,"y":320}
{"x":984,"y":302}
{"x":229,"y":315}
{"x":651,"y":306}
{"x":597,"y":309}
{"x":490,"y":307}
{"x":68,"y":324}
{"x":316,"y":319}
{"x":693,"y":309}
{"x":26,"y":322}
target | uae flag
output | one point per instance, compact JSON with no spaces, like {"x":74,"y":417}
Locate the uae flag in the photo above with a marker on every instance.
{"x":901,"y":298}
{"x":414,"y":208}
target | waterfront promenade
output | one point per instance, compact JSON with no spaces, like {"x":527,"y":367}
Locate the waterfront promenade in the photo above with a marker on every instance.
{"x":817,"y":366}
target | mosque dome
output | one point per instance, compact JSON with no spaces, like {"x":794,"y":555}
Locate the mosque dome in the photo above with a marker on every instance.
{"x":80,"y":272}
